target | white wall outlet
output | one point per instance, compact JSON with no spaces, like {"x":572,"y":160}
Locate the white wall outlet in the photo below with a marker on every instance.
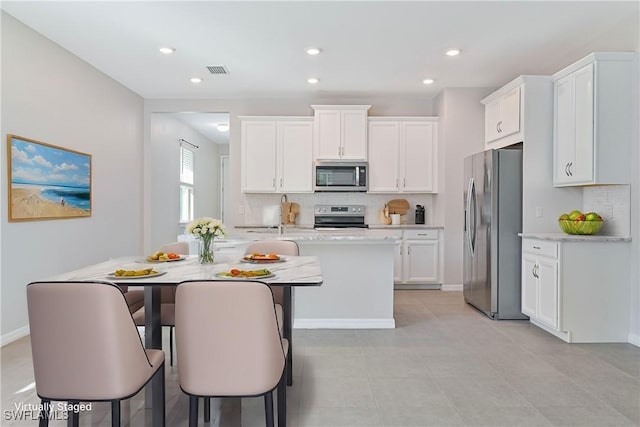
{"x":538,"y":212}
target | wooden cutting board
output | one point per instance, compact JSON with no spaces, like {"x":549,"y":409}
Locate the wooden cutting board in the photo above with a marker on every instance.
{"x":399,"y":206}
{"x":289,"y":212}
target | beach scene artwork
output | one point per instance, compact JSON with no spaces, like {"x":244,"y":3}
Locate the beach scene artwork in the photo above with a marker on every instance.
{"x":46,"y":181}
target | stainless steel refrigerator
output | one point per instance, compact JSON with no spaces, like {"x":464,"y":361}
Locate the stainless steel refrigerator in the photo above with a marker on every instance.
{"x":492,"y":221}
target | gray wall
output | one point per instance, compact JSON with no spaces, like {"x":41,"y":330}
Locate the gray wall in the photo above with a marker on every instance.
{"x":463,"y":134}
{"x":164,"y":171}
{"x":244,"y":205}
{"x":52,"y":96}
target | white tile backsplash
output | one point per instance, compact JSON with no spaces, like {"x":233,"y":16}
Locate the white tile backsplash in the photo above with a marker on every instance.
{"x":613,"y":203}
{"x":254,"y":203}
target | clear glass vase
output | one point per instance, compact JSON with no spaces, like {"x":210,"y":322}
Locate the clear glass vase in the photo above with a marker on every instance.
{"x":206,"y":249}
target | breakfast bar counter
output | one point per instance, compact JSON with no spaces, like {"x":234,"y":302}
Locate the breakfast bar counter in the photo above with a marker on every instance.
{"x":357,"y":270}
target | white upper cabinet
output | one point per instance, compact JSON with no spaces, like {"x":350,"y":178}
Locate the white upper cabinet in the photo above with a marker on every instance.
{"x":502,"y":117}
{"x":295,"y":151}
{"x":340,"y":132}
{"x":384,"y":156}
{"x":419,"y":156}
{"x":276,"y":154}
{"x":593,"y":120}
{"x":403,"y":154}
{"x":258,"y":140}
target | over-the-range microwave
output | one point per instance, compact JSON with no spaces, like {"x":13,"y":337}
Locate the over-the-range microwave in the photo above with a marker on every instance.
{"x":340,"y":176}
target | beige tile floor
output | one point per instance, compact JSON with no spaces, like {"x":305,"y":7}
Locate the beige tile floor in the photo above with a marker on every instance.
{"x":445,"y":364}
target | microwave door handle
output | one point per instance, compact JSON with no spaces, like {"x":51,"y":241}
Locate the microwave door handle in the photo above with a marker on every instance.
{"x":357,"y":176}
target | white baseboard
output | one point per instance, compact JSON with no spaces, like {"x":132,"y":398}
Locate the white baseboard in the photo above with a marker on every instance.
{"x":449,"y":288}
{"x":634,"y":339}
{"x":14,"y":335}
{"x":401,"y":286}
{"x":344,"y":323}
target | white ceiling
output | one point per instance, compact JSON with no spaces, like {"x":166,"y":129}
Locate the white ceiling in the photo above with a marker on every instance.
{"x":205,"y":124}
{"x":368,"y":47}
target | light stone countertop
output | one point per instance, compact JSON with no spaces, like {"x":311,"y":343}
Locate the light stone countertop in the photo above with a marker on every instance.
{"x":310,"y":235}
{"x":405,"y":227}
{"x":562,"y":237}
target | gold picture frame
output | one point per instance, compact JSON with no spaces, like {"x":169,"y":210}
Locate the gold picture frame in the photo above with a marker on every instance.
{"x":46,"y":181}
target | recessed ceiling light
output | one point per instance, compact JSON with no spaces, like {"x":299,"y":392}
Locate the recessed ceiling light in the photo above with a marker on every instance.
{"x":312,"y":50}
{"x":222,"y":127}
{"x":453,"y":52}
{"x":196,"y":80}
{"x":427,"y":81}
{"x":313,"y":80}
{"x":167,"y":50}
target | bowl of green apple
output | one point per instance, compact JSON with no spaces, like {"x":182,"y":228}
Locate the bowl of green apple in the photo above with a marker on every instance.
{"x":576,"y":222}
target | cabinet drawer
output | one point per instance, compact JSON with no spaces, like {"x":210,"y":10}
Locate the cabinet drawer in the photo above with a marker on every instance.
{"x":540,"y":247}
{"x":420,"y":234}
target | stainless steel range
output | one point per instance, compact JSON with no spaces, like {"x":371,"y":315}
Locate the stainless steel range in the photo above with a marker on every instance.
{"x":342,"y":216}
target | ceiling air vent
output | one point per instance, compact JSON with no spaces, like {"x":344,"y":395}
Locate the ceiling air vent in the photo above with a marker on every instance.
{"x":217,"y":69}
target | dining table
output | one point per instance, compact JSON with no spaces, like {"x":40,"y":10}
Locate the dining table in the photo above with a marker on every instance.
{"x":287,"y":272}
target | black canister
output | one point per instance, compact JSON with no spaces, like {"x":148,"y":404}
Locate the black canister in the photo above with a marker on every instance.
{"x":419,"y":214}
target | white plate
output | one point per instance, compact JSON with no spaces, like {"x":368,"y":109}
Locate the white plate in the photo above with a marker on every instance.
{"x":146,"y":276}
{"x":145,"y":260}
{"x":262,"y":261}
{"x":221,"y":276}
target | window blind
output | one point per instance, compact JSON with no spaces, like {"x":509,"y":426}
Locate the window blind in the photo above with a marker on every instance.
{"x":186,"y":166}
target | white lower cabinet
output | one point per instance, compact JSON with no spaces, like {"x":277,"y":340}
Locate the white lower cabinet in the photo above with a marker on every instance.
{"x":577,"y":290}
{"x":418,"y":258}
{"x":540,"y":288}
{"x":421,"y":261}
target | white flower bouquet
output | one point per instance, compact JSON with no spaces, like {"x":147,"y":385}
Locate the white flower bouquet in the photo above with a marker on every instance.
{"x":206,"y":229}
{"x":206,"y":226}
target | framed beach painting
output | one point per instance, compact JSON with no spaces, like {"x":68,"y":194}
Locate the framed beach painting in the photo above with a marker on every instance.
{"x":46,"y":181}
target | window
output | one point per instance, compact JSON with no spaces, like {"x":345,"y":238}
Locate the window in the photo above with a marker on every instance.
{"x":186,"y":185}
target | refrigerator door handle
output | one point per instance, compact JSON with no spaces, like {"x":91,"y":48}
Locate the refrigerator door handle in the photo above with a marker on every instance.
{"x":474,"y":202}
{"x":468,"y":227}
{"x":467,"y":213}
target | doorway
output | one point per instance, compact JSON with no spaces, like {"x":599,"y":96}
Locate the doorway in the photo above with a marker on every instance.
{"x":206,"y":137}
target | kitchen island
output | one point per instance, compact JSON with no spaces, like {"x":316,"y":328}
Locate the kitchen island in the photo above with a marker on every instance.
{"x":357,"y":266}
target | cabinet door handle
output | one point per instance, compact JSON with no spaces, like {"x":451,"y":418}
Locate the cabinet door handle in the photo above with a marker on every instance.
{"x":533,"y":270}
{"x":396,"y":182}
{"x":536,"y":247}
{"x":537,"y":271}
{"x":404,"y":182}
{"x":566,"y":169}
{"x":422,"y":234}
{"x":408,"y":250}
{"x":280,"y":182}
{"x":500,"y":126}
{"x":570,"y":168}
{"x":274,"y":183}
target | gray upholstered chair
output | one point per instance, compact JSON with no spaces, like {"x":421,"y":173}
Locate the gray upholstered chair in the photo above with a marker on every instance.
{"x":228,"y":343}
{"x":85,"y":346}
{"x":134,"y":298}
{"x":167,"y":298}
{"x":280,"y":247}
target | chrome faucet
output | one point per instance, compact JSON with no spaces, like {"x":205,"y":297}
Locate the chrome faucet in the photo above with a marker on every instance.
{"x":283,"y":199}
